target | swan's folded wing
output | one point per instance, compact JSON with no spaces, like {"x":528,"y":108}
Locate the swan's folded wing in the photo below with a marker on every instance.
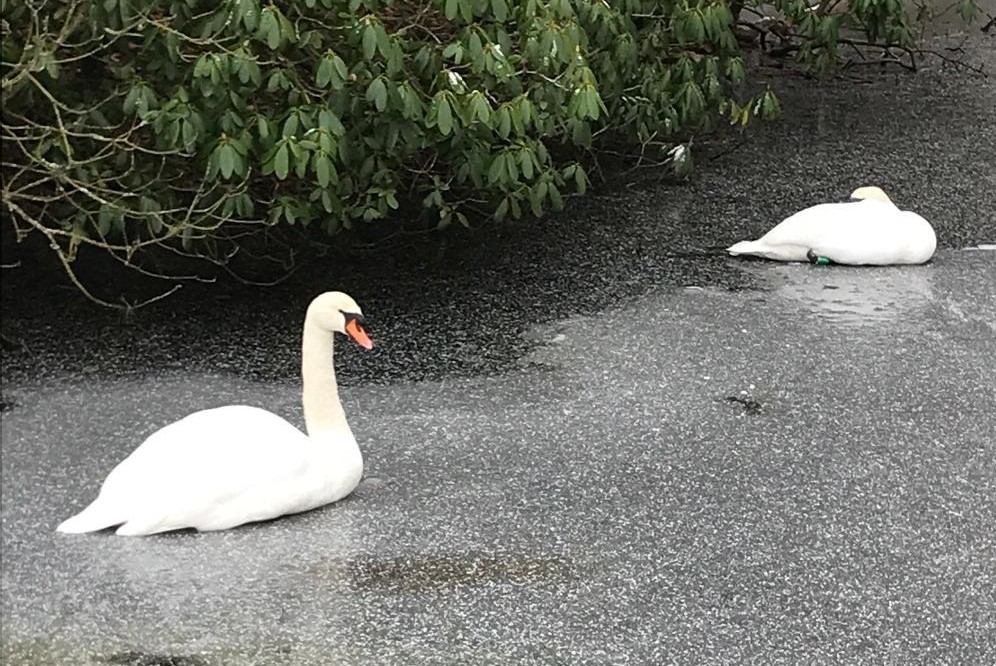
{"x":208,"y":459}
{"x":837,"y":226}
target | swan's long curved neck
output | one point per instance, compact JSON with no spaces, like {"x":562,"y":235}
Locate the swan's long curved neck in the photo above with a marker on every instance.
{"x":323,"y":411}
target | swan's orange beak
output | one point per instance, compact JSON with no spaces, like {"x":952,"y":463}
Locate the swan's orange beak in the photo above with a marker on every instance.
{"x":358,"y":334}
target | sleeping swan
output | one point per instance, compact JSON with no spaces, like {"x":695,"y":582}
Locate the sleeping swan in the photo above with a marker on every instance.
{"x":223,"y":467}
{"x":869,"y":229}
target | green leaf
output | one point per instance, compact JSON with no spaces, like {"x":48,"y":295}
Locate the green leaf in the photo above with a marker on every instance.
{"x":479,"y":107}
{"x":769,"y":106}
{"x":451,"y":9}
{"x":291,"y":124}
{"x":580,"y":179}
{"x":172,"y":133}
{"x":301,"y":163}
{"x":445,"y":219}
{"x":369,"y":41}
{"x":383,"y":40}
{"x":542,"y":188}
{"x":340,"y":67}
{"x":249,"y":71}
{"x":525,"y":109}
{"x":278,"y":81}
{"x":454,"y":51}
{"x":444,"y":115}
{"x":536,"y":201}
{"x":591,"y":103}
{"x":511,"y":168}
{"x":377,"y":93}
{"x":743,"y":116}
{"x":325,"y":170}
{"x":518,"y":124}
{"x":500,"y":10}
{"x":272,"y":28}
{"x":281,"y":162}
{"x":104,"y":219}
{"x":214,"y":162}
{"x":156,"y":223}
{"x":502,"y":210}
{"x":581,"y":133}
{"x":324,"y":74}
{"x":131,"y":99}
{"x":327,"y":120}
{"x":573,"y":103}
{"x":189,"y":134}
{"x":241,"y":144}
{"x":735,"y":70}
{"x":202,"y":68}
{"x":526,"y":163}
{"x":248,"y":13}
{"x":503,"y":121}
{"x":327,"y":203}
{"x":828,"y":30}
{"x":226,"y":160}
{"x":497,"y":171}
{"x":263,"y":128}
{"x":694,"y":28}
{"x":967,"y":10}
{"x":273,"y":36}
{"x":555,"y":198}
{"x":475,"y":47}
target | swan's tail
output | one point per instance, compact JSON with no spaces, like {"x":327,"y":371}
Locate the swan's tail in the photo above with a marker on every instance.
{"x":744,"y":247}
{"x":95,"y":517}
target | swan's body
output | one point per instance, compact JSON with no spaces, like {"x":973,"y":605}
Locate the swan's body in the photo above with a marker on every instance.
{"x":219,"y":468}
{"x":868,"y":230}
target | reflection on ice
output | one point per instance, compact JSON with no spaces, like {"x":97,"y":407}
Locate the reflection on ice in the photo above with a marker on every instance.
{"x":858,"y":296}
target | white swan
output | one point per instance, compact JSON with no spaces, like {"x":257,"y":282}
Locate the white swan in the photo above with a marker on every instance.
{"x":223,"y":467}
{"x":869,"y":230}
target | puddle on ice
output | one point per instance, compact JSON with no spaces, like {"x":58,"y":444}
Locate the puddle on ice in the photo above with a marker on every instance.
{"x":856,"y":296}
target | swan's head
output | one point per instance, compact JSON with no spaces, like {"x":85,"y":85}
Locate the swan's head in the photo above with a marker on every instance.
{"x":871,"y":192}
{"x":338,"y":312}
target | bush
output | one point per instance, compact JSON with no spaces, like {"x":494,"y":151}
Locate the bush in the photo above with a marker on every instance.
{"x":187,"y":124}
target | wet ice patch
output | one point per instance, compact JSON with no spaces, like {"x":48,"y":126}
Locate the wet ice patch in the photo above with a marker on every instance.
{"x":855,"y":296}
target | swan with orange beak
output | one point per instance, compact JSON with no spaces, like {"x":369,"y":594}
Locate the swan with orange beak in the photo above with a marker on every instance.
{"x":223,"y":467}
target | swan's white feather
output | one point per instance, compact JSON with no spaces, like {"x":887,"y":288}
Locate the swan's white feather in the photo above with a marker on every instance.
{"x":869,"y":232}
{"x":219,"y":468}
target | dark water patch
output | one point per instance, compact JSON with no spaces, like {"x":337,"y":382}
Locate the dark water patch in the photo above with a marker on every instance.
{"x":438,"y":307}
{"x":421,"y":573}
{"x":137,"y":658}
